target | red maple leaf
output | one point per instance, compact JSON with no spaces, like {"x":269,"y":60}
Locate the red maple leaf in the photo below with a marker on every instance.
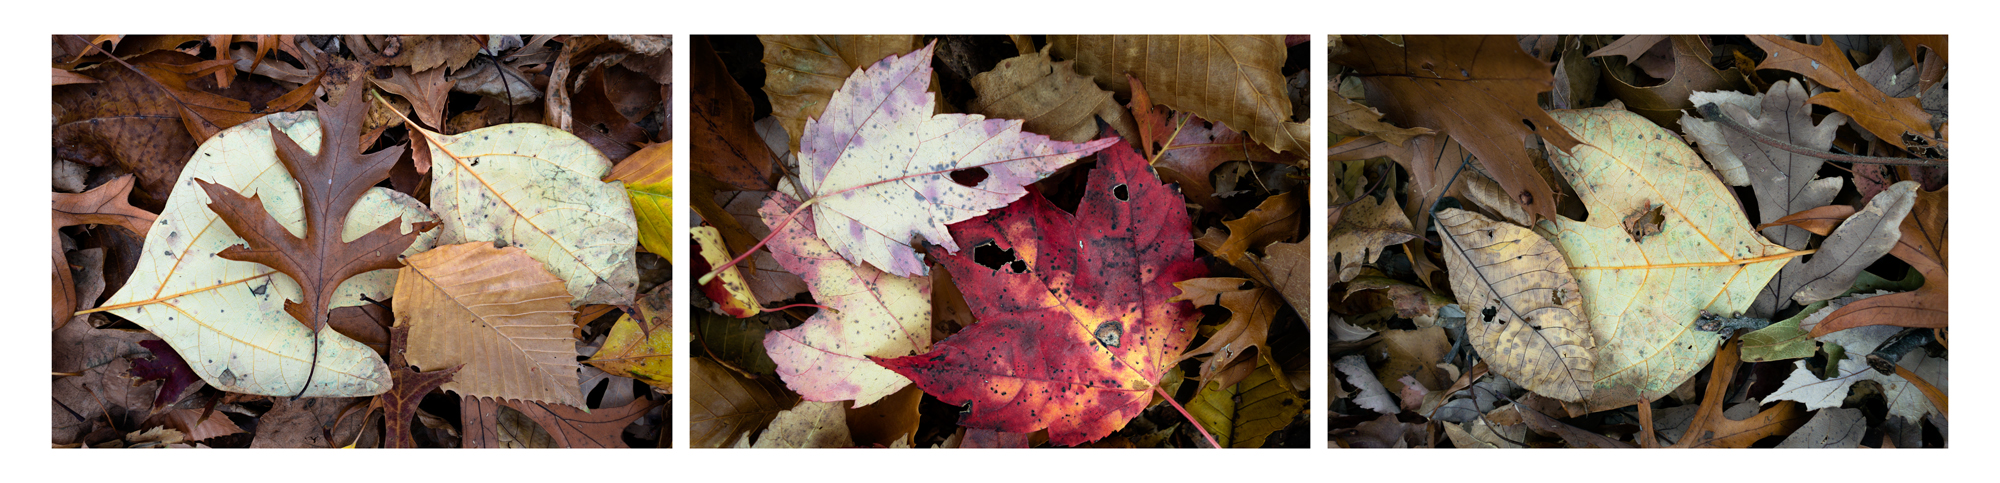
{"x":1074,"y":334}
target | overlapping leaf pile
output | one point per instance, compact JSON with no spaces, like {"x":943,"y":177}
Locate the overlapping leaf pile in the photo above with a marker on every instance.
{"x":999,"y":241}
{"x":1520,"y":262}
{"x":411,"y":244}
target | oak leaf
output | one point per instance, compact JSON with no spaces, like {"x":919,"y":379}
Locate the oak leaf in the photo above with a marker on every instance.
{"x":1186,"y":149}
{"x":871,"y":314}
{"x":1524,"y":312}
{"x":1690,"y":73}
{"x":1643,"y":296}
{"x":1230,"y":79}
{"x":880,"y":166}
{"x":1239,"y":344}
{"x":1365,"y":229}
{"x":1888,"y":118}
{"x":399,"y":404}
{"x":1074,"y":333}
{"x":1478,"y":90}
{"x":496,"y":312}
{"x":103,"y":205}
{"x":224,"y":316}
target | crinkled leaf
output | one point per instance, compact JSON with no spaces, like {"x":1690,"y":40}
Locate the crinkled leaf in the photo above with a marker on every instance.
{"x":1524,"y":312}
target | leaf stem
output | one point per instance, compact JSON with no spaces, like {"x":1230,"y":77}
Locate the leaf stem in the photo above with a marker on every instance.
{"x":1745,"y":261}
{"x":1177,"y":406}
{"x":760,"y":243}
{"x":1170,"y":142}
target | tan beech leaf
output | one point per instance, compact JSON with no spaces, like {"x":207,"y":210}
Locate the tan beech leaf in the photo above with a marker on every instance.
{"x":1643,"y":297}
{"x":496,"y":311}
{"x":1366,"y":228}
{"x":873,"y":313}
{"x":1524,"y":312}
{"x":727,"y":405}
{"x":808,"y":425}
{"x":1049,"y":98}
{"x":227,"y":317}
{"x":1230,"y":79}
{"x":802,"y":71}
{"x":536,"y":187}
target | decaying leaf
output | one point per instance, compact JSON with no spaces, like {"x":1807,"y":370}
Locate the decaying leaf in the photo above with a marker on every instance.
{"x":1239,"y":345}
{"x":103,"y":205}
{"x":882,"y":167}
{"x":649,"y":182}
{"x":410,"y":386}
{"x":1365,"y":229}
{"x":1888,"y":118}
{"x":1690,"y":73}
{"x":1231,"y":79}
{"x":1073,"y":333}
{"x":1049,"y":98}
{"x":496,"y":312}
{"x":726,"y":405}
{"x":1851,"y":247}
{"x":1642,"y":297}
{"x":1924,"y":244}
{"x":642,"y":347}
{"x":801,"y":72}
{"x":727,"y":289}
{"x":1524,"y":312}
{"x":808,"y":425}
{"x":536,"y":187}
{"x":1242,"y":415}
{"x":1478,"y":90}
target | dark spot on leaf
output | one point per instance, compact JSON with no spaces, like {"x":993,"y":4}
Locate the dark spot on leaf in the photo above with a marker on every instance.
{"x":1487,"y":314}
{"x":1107,"y":333}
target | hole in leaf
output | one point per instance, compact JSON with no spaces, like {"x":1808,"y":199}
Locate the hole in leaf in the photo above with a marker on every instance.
{"x":1531,"y":124}
{"x":1487,"y":314}
{"x":1119,"y":192}
{"x":991,"y":256}
{"x":969,"y":177}
{"x":1246,"y":285}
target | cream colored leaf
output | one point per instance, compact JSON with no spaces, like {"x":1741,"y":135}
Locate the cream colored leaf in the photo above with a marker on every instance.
{"x":1524,"y":313}
{"x":497,"y":312}
{"x":537,"y":187}
{"x":873,"y":314}
{"x":227,"y":318}
{"x":1643,"y":293}
{"x":808,"y":425}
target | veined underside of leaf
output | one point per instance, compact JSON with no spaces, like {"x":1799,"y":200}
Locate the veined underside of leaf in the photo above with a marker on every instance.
{"x":496,"y":312}
{"x":1524,"y":312}
{"x":226,"y":317}
{"x":1232,"y":79}
{"x":1074,"y":335}
{"x":1643,"y":296}
{"x":878,"y":165}
{"x":1478,"y":90}
{"x":874,"y":314}
{"x":537,"y":187}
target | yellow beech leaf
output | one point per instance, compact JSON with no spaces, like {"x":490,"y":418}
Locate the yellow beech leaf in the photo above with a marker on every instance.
{"x":1523,"y":312}
{"x":1644,"y":291}
{"x":227,"y":318}
{"x":497,"y":312}
{"x":649,"y":182}
{"x":537,"y":188}
{"x":642,"y":348}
